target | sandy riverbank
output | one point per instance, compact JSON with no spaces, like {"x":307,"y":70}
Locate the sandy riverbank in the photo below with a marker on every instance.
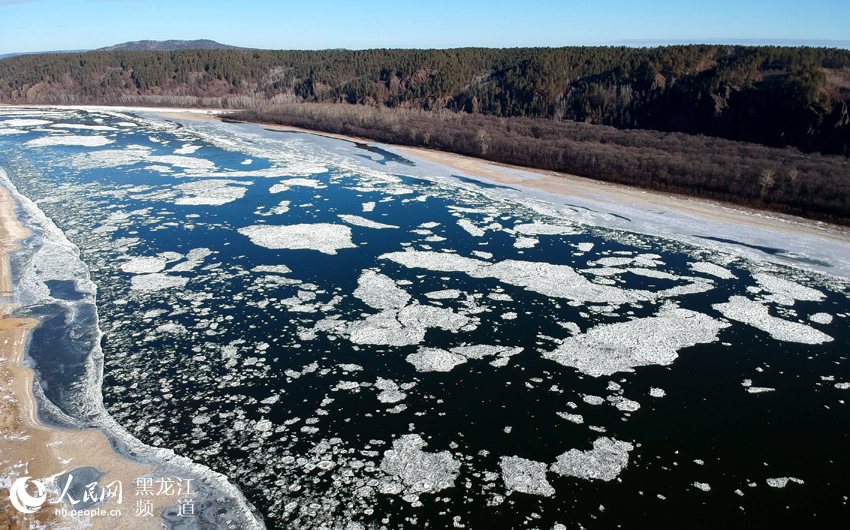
{"x":29,"y":448}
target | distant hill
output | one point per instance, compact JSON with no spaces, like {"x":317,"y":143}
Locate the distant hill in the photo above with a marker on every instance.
{"x":169,"y":45}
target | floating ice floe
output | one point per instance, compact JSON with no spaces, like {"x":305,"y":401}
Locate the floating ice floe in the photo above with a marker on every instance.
{"x":470,"y":227}
{"x":289,"y":183}
{"x":702,"y":486}
{"x":525,"y":476}
{"x":186,"y":149}
{"x":624,"y":404}
{"x":83,"y":141}
{"x":785,"y":292}
{"x":368,"y":207}
{"x":356,"y":220}
{"x":526,"y":242}
{"x":558,"y":281}
{"x":502,"y":354}
{"x":445,"y":294}
{"x":604,"y":462}
{"x":781,"y":482}
{"x":144,"y":265}
{"x":575,"y":418}
{"x":156,"y":282}
{"x":657,"y":392}
{"x":194,"y":258}
{"x":543,"y":229}
{"x":435,"y":360}
{"x":821,"y":318}
{"x":417,"y":470}
{"x":81,"y":126}
{"x":398,"y":324}
{"x":272,"y":269}
{"x":711,"y":269}
{"x":24,"y":122}
{"x":323,"y":237}
{"x":380,"y":291}
{"x":135,"y":154}
{"x":210,"y":192}
{"x":390,"y":392}
{"x":755,"y":314}
{"x":623,"y":346}
{"x":585,"y":247}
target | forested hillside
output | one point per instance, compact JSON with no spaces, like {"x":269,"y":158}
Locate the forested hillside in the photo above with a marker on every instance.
{"x":774,"y":96}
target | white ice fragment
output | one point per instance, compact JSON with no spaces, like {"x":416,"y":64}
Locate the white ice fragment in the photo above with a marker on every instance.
{"x":156,"y":282}
{"x":303,"y":182}
{"x":604,"y":462}
{"x":623,"y":346}
{"x":470,"y":227}
{"x":542,"y":229}
{"x":380,"y":291}
{"x":446,"y":294}
{"x":434,"y":360}
{"x":755,"y":314}
{"x":144,"y":265}
{"x":785,"y":291}
{"x":525,"y":476}
{"x":712,"y":270}
{"x":781,"y":482}
{"x":418,"y":470}
{"x":657,"y":392}
{"x":356,"y":220}
{"x":704,"y":486}
{"x":84,"y":141}
{"x":210,"y":192}
{"x":821,"y":318}
{"x":24,"y":122}
{"x":575,"y":418}
{"x":558,"y":281}
{"x":272,"y":269}
{"x":323,"y":237}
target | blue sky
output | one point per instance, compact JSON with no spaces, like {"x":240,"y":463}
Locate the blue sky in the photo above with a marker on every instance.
{"x":38,"y":25}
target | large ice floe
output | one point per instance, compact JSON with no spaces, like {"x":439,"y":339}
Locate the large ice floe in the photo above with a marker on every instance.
{"x":559,"y":281}
{"x":525,"y":476}
{"x":417,"y":470}
{"x":84,"y":141}
{"x":623,"y":346}
{"x":211,"y":192}
{"x":324,"y":237}
{"x":757,"y":315}
{"x":604,"y":462}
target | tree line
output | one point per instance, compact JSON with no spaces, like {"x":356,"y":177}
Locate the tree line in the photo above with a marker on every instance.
{"x":785,"y":180}
{"x":774,"y":96}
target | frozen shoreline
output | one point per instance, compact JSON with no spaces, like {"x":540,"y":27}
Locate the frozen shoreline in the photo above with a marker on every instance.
{"x":89,"y":436}
{"x":749,"y":233}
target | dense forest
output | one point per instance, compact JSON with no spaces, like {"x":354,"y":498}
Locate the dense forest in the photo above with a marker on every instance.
{"x":780,"y":179}
{"x":769,"y":95}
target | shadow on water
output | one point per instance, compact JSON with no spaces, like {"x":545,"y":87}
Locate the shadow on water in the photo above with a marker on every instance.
{"x":388,"y":155}
{"x":480,"y":184}
{"x":773,"y":251}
